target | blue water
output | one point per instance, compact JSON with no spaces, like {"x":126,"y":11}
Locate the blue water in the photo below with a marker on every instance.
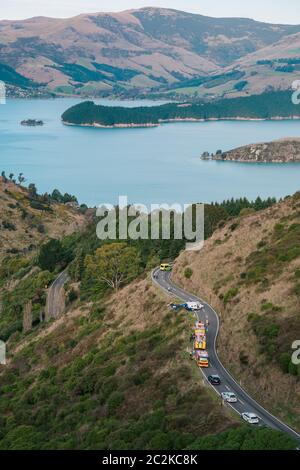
{"x":153,"y":165}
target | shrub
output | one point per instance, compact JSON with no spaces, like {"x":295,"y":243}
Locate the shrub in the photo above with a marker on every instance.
{"x":284,"y":362}
{"x":293,"y":369}
{"x":115,"y":401}
{"x":188,"y":272}
{"x":234,"y":226}
{"x":297,"y":273}
{"x":50,"y":255}
{"x":230,"y":295}
{"x":72,"y":295}
{"x":244,"y":358}
{"x":296,"y":290}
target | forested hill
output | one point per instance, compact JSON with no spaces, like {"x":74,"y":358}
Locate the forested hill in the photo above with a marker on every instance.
{"x":264,"y":106}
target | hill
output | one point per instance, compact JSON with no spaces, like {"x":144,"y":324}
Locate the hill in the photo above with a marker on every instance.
{"x":113,"y":375}
{"x":131,"y":51}
{"x":113,"y":370}
{"x":249,"y":271}
{"x":28,"y":220}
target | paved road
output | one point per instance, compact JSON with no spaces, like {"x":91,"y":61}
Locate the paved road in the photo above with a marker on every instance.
{"x":55,"y":296}
{"x":228,"y":383}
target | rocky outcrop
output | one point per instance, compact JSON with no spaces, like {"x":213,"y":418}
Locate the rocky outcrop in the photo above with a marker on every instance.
{"x":281,"y":151}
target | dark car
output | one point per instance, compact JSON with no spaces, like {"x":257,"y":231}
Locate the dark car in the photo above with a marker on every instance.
{"x":214,"y":379}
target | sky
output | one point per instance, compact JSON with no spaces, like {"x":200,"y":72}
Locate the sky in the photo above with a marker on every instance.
{"x":275,"y":11}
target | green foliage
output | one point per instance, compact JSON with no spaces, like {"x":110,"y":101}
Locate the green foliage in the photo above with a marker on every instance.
{"x":115,"y":401}
{"x":52,"y":255}
{"x":112,"y":266}
{"x":267,"y":331}
{"x":22,"y":437}
{"x":284,"y":362}
{"x":188,"y":272}
{"x":297,"y":289}
{"x":269,"y":260}
{"x":10,"y":76}
{"x":230,"y":294}
{"x":13,"y":302}
{"x":62,"y":198}
{"x":263,"y":106}
{"x":72,"y":295}
{"x":293,"y":369}
{"x":239,"y":86}
{"x":245,"y":438}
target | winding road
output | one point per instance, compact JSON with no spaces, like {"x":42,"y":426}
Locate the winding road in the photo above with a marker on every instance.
{"x":228,"y":384}
{"x":55,"y":300}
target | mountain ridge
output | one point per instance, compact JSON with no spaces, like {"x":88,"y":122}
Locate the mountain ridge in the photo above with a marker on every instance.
{"x":160,"y":47}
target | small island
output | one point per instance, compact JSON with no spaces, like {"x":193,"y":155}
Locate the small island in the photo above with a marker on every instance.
{"x":278,"y":151}
{"x":32,"y":122}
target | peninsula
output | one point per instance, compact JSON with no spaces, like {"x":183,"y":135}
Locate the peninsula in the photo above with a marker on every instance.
{"x":279,"y":151}
{"x":272,"y":105}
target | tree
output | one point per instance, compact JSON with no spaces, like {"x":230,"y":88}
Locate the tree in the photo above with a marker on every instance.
{"x":50,"y":255}
{"x":32,"y":190}
{"x":56,"y":195}
{"x":11,"y":176}
{"x":4,"y":176}
{"x":21,"y":178}
{"x":76,"y":268}
{"x":113,"y":265}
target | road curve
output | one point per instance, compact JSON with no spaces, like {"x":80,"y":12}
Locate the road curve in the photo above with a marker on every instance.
{"x":228,"y":383}
{"x":55,"y":296}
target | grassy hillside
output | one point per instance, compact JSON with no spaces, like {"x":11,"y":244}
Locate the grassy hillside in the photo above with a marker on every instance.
{"x":113,"y":371}
{"x":116,"y":375}
{"x":112,"y":375}
{"x":249,"y":270}
{"x":140,"y":51}
{"x":28,"y":220}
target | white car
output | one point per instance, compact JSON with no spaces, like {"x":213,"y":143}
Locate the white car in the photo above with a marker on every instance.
{"x":194,"y":306}
{"x":229,"y":397}
{"x":251,"y":418}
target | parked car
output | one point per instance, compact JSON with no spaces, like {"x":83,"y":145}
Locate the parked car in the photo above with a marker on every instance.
{"x":229,"y":397}
{"x":251,"y":418}
{"x":214,"y":379}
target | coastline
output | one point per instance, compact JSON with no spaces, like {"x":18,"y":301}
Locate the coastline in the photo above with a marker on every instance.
{"x":166,"y":121}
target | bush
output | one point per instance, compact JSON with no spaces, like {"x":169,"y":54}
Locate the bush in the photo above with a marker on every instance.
{"x":51,"y":254}
{"x":115,"y":401}
{"x":296,"y":290}
{"x":230,"y":295}
{"x":284,"y":362}
{"x":293,"y":369}
{"x":297,"y":273}
{"x":234,"y":226}
{"x":72,"y":295}
{"x":188,"y":272}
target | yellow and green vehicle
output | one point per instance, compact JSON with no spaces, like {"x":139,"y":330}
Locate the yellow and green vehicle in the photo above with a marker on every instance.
{"x":165,"y":267}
